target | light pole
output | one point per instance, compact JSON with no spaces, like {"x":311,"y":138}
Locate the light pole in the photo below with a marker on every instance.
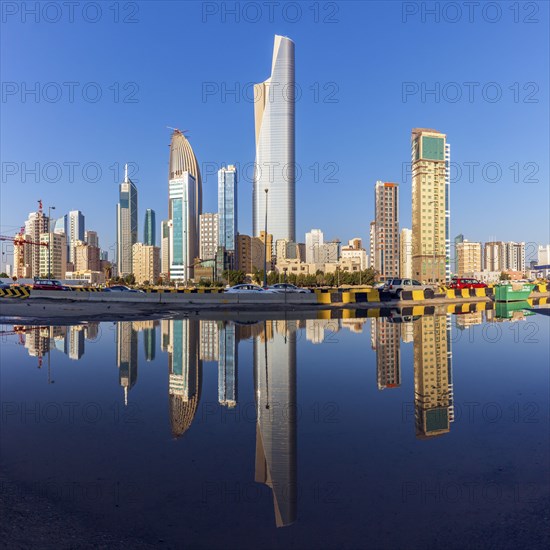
{"x":50,"y":208}
{"x":265,"y":241}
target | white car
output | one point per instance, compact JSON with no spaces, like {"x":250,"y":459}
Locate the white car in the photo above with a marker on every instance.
{"x":287,"y":287}
{"x":244,"y":289}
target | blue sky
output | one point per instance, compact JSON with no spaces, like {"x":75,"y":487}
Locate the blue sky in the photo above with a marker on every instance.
{"x":353,"y":62}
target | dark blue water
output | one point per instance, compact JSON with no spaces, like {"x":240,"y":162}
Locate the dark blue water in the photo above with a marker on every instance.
{"x":329,"y":433}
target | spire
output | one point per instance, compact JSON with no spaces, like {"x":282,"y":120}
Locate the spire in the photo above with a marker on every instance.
{"x":126,"y":173}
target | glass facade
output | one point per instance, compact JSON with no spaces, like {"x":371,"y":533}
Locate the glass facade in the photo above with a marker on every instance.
{"x":149,"y":233}
{"x":433,"y":148}
{"x":227,"y":208}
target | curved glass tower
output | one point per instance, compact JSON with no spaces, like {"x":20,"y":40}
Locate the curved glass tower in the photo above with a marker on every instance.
{"x":274,"y":102}
{"x":184,"y":207}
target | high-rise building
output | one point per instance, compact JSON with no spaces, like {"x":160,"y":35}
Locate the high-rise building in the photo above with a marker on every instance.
{"x":405,"y":253}
{"x":504,"y":256}
{"x":314,"y":239}
{"x":227,"y":208}
{"x":209,"y":344}
{"x":165,"y":248}
{"x":76,"y":232}
{"x":149,"y":228}
{"x":53,"y":258}
{"x":468,"y":256}
{"x":145,"y":263}
{"x":430,"y":205}
{"x":91,"y":238}
{"x":184,"y":207}
{"x":458,"y":239}
{"x":275,"y":149}
{"x":127,"y":224}
{"x":386,"y":208}
{"x":208,"y":236}
{"x":372,"y":245}
{"x":250,"y":253}
{"x":36,"y":225}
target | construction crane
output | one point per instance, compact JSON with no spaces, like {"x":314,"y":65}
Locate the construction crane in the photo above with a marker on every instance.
{"x":19,"y":240}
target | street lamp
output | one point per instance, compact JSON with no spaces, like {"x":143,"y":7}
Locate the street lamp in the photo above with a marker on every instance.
{"x":265,"y":241}
{"x":50,"y":208}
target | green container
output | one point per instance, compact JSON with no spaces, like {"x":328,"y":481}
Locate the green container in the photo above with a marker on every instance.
{"x":507,"y":293}
{"x":506,"y":310}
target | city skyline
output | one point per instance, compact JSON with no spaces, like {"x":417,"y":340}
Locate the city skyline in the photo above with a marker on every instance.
{"x":476,"y":144}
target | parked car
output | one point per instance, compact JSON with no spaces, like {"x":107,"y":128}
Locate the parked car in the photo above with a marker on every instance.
{"x":397,"y":286}
{"x":287,"y":287}
{"x":244,"y":289}
{"x":4,"y":286}
{"x":121,"y":288}
{"x":379,"y":286}
{"x":49,"y":284}
{"x":463,"y":282}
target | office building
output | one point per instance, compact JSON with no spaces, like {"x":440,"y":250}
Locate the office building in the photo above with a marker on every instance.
{"x":149,"y":228}
{"x":127,"y":356}
{"x":227,"y":365}
{"x":208,"y":236}
{"x":165,"y":249}
{"x":227,"y":208}
{"x":275,"y":148}
{"x":86,"y":257}
{"x":127,"y":224}
{"x":184,"y":207}
{"x":430,"y":205}
{"x":386,"y":210}
{"x":504,"y":256}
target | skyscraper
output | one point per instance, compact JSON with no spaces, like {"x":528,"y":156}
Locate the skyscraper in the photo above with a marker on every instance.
{"x":184,"y":207}
{"x":388,"y":353}
{"x":91,"y":238}
{"x":149,"y":228}
{"x":386,"y":207}
{"x":36,"y":225}
{"x":227,"y":365}
{"x":165,"y":248}
{"x":127,"y":224}
{"x":458,"y":239}
{"x":430,"y":204}
{"x":275,"y":149}
{"x":75,"y":224}
{"x":227,"y":208}
{"x":314,"y":240}
{"x":468,"y":257}
{"x":127,"y":356}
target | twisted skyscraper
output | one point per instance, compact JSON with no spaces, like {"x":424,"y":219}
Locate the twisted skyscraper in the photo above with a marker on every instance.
{"x":274,"y":102}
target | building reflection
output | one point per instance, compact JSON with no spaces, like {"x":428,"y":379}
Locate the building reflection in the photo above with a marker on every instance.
{"x":227,"y":364}
{"x":185,"y":373}
{"x":388,"y":353}
{"x":275,"y":386}
{"x":433,"y":387}
{"x":126,"y":356}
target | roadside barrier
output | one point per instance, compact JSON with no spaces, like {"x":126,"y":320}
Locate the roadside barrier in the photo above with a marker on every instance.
{"x":541,"y":288}
{"x":15,"y":292}
{"x":469,"y":292}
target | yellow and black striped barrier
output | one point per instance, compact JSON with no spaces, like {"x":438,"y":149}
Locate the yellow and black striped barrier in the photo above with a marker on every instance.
{"x":469,"y":292}
{"x":86,"y":289}
{"x":15,"y":292}
{"x":183,"y":290}
{"x":470,"y":307}
{"x":542,"y":288}
{"x":538,"y":301}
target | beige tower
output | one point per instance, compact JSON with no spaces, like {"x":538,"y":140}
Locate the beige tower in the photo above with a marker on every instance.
{"x":430,"y":205}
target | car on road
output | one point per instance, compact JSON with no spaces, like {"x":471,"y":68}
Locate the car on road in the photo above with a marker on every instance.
{"x":397,"y":286}
{"x":244,"y":289}
{"x":4,"y":286}
{"x":49,"y":284}
{"x":287,"y":287}
{"x":465,"y":282}
{"x":120,"y":288}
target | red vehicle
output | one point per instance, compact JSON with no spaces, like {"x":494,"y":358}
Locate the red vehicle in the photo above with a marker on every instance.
{"x":463,"y":282}
{"x":48,"y":284}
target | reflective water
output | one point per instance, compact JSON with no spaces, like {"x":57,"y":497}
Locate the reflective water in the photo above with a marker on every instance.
{"x":328,"y":432}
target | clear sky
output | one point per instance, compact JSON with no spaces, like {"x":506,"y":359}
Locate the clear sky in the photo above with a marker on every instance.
{"x":362,"y":71}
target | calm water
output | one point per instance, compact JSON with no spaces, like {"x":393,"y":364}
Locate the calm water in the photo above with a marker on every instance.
{"x":329,"y":433}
